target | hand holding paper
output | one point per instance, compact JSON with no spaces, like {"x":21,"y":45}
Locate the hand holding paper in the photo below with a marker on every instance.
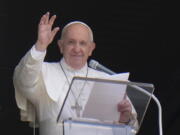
{"x":125,"y":109}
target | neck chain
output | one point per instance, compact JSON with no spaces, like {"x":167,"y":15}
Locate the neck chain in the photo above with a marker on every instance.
{"x":77,"y":106}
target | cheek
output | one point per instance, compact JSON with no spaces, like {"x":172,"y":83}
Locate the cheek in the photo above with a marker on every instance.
{"x":67,"y":50}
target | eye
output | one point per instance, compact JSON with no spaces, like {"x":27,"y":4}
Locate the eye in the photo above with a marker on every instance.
{"x":83,"y":43}
{"x":71,"y":42}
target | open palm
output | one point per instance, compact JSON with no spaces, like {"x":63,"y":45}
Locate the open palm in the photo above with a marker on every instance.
{"x":45,"y":32}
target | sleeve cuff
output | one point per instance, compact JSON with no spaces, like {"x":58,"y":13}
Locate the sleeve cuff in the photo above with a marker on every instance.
{"x":37,"y":55}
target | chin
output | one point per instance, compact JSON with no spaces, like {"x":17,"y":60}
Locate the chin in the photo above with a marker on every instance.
{"x":77,"y":65}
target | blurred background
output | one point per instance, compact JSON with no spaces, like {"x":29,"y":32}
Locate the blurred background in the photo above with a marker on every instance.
{"x":131,"y":36}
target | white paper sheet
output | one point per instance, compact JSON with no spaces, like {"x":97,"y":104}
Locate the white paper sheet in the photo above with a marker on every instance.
{"x":104,"y":97}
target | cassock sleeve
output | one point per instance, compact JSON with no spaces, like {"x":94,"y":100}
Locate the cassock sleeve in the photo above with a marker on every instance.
{"x":25,"y":79}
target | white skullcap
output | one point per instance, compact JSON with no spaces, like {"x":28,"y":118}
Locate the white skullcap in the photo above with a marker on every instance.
{"x":78,"y":22}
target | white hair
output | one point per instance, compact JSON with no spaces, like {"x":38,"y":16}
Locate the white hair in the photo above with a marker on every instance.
{"x":77,"y":22}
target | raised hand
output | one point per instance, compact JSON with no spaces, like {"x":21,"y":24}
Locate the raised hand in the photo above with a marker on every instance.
{"x":45,"y":32}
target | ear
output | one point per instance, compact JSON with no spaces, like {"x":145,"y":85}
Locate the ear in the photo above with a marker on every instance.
{"x":60,"y":45}
{"x":92,"y":47}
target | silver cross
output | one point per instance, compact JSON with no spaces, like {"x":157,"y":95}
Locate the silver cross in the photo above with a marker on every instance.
{"x":78,"y":109}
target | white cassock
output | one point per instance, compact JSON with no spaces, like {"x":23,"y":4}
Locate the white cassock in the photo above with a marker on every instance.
{"x":41,"y":87}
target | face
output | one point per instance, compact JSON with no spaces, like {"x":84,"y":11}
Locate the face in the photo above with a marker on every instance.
{"x":76,"y":45}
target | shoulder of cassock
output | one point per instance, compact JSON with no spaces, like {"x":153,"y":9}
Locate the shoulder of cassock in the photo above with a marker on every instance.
{"x":51,"y":81}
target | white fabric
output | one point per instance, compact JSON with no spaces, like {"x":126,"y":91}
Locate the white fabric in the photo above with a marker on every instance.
{"x":44,"y":85}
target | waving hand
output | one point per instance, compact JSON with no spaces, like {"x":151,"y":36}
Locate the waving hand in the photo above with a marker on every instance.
{"x":45,"y":32}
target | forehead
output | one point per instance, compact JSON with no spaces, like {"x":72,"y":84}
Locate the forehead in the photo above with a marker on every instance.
{"x":77,"y":30}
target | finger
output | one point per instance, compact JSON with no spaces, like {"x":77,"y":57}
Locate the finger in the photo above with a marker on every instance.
{"x":124,"y":109}
{"x":123,"y":102}
{"x":54,"y":31}
{"x":47,"y":18}
{"x":52,"y":19}
{"x":42,"y":20}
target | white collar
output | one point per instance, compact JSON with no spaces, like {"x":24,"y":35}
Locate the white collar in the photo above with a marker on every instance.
{"x":83,"y":70}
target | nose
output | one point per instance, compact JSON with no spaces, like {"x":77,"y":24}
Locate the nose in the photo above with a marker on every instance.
{"x":77,"y":48}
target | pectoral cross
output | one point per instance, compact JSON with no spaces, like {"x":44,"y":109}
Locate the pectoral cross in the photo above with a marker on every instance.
{"x":78,"y":109}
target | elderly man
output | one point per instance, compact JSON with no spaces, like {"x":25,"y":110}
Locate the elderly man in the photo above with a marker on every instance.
{"x":40,"y":87}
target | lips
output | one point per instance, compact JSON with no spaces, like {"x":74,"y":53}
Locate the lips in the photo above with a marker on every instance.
{"x":77,"y":56}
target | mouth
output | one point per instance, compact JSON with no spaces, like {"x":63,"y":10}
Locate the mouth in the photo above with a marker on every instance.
{"x":77,"y":56}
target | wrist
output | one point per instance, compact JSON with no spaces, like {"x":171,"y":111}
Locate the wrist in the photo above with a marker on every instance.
{"x":40,"y":47}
